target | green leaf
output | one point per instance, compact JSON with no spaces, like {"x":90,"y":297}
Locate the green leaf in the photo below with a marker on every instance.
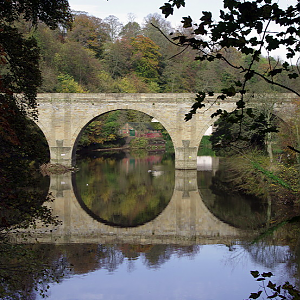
{"x":179,"y":3}
{"x":273,"y":296}
{"x":230,"y":92}
{"x":275,"y":72}
{"x":269,"y":274}
{"x":200,"y":30}
{"x":249,"y":112}
{"x":167,"y":9}
{"x":221,"y":97}
{"x":206,"y":18}
{"x":240,"y":104}
{"x":293,"y":75}
{"x":259,"y":27}
{"x":200,"y":96}
{"x":238,"y":83}
{"x":272,"y":43}
{"x":285,"y":65}
{"x":255,"y":295}
{"x":217,"y":113}
{"x":254,"y":274}
{"x":187,"y":22}
{"x":249,"y":75}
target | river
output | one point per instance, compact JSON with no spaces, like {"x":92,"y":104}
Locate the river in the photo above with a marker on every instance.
{"x":134,"y":228}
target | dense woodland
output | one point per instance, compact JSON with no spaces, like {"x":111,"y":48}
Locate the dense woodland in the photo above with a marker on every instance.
{"x":100,"y":56}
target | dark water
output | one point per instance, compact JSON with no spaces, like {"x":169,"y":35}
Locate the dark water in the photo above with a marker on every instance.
{"x":240,"y":211}
{"x":129,"y":191}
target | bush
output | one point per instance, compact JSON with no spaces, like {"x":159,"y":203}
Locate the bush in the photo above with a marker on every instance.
{"x":139,"y":143}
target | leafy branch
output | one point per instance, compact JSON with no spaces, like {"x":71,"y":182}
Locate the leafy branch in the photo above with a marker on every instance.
{"x":273,"y":290}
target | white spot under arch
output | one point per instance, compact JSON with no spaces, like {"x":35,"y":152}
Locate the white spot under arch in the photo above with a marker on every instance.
{"x":209,"y":131}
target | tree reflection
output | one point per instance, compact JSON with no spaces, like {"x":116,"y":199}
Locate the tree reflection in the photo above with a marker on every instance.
{"x":160,"y":254}
{"x":33,"y":267}
{"x":268,"y":254}
{"x":27,"y":270}
{"x":23,"y":190}
{"x":126,"y":192}
{"x":236,"y":209}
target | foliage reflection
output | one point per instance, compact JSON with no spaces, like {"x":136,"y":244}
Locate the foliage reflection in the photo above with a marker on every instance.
{"x":124,"y":190}
{"x":236,"y":209}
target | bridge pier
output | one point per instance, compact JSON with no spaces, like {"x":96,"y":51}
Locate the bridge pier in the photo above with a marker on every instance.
{"x":186,"y":156}
{"x":186,"y":182}
{"x":60,"y":154}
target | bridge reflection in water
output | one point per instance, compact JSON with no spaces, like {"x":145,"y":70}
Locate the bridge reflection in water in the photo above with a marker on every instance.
{"x":186,"y":219}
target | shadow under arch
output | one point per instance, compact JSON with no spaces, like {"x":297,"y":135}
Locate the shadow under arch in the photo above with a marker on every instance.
{"x":237,"y":209}
{"x":37,"y":134}
{"x":40,"y":154}
{"x":23,"y":189}
{"x":137,"y":189}
{"x":263,"y":103}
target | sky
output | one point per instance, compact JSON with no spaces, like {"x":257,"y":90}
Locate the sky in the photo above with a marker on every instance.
{"x":141,"y":8}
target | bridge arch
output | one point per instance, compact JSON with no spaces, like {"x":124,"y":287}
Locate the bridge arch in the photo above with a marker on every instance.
{"x":86,"y":121}
{"x":280,"y":106}
{"x":89,"y":118}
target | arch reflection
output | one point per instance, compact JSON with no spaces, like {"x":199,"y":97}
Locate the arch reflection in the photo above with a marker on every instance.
{"x":122,"y":189}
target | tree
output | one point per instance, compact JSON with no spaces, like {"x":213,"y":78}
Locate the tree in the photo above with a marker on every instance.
{"x":72,"y":54}
{"x":67,"y":84}
{"x":79,"y":62}
{"x":19,"y":54}
{"x":246,"y":26}
{"x":89,"y":31}
{"x":151,"y":23}
{"x":103,"y":130}
{"x":114,"y":27}
{"x":131,"y":29}
{"x":52,"y":13}
{"x":117,"y":58}
{"x":145,"y":58}
{"x":132,"y":84}
{"x":20,"y":78}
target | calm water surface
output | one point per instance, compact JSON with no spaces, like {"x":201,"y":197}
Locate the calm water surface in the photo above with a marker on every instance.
{"x":210,"y":272}
{"x":127,"y":191}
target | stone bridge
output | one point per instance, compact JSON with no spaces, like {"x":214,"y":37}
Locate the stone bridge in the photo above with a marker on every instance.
{"x":62,"y":117}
